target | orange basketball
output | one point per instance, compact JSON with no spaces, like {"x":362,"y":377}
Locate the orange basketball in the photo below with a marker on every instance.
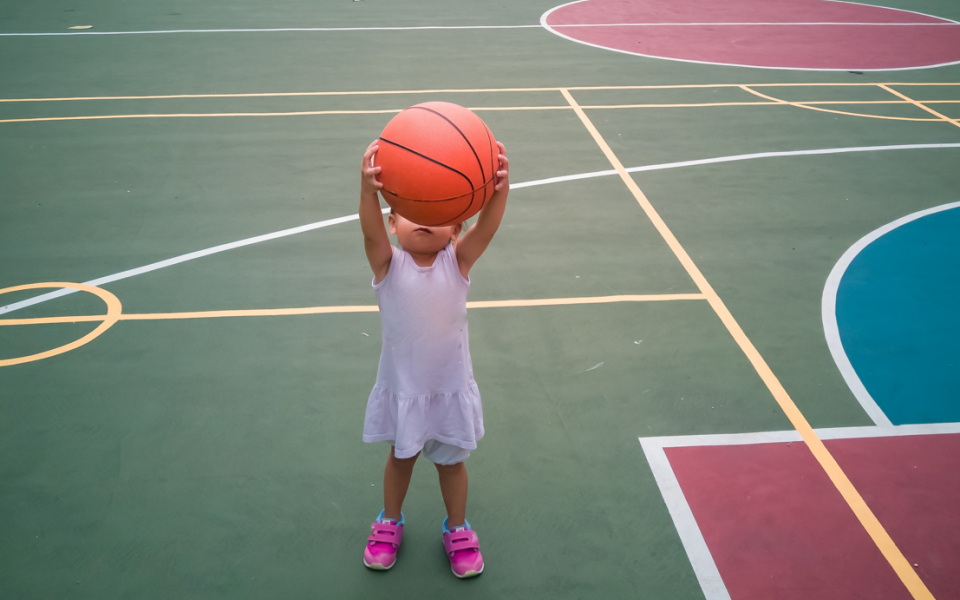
{"x":438,"y":163}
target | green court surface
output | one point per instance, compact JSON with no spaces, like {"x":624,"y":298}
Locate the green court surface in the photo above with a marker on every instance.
{"x":188,"y":453}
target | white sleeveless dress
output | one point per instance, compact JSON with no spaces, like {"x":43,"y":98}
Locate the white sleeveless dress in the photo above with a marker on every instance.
{"x":425,"y":388}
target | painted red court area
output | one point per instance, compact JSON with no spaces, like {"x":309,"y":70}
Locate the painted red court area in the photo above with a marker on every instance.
{"x":792,"y":34}
{"x":777,"y":528}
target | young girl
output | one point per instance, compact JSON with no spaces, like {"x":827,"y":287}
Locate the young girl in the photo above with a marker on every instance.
{"x":425,"y":399}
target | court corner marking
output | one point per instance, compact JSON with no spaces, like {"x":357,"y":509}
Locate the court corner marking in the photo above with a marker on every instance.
{"x":694,"y":544}
{"x":698,"y":553}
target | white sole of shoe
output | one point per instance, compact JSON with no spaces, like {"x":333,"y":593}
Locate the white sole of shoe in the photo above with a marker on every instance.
{"x":379,"y":567}
{"x":468,"y":573}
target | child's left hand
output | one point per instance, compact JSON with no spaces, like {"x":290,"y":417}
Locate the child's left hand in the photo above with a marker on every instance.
{"x":503,"y":175}
{"x":474,"y":242}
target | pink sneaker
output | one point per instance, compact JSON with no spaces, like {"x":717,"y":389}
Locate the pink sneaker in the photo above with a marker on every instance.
{"x":383,"y":543}
{"x":463,"y":548}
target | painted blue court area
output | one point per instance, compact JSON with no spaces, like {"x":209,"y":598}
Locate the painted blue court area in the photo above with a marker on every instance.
{"x":899,"y":319}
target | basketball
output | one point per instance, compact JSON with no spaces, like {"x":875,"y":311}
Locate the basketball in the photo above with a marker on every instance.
{"x":438,"y":163}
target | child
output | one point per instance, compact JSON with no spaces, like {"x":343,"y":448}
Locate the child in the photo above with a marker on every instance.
{"x":425,"y":399}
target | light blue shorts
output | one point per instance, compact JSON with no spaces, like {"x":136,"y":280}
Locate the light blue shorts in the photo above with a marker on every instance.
{"x":443,"y":454}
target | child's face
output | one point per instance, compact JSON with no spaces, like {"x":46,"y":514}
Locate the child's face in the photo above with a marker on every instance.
{"x":420,"y":239}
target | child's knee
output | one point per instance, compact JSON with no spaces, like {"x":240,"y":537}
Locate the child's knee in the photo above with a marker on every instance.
{"x":448,"y":470}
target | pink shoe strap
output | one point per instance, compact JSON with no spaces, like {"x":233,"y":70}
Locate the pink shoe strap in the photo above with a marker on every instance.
{"x":456,"y":541}
{"x":386,"y":532}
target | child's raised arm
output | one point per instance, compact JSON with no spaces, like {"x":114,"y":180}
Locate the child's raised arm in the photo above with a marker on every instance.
{"x":376,"y":242}
{"x":477,"y":238}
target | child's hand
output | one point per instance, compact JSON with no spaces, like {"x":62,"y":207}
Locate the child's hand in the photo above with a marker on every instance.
{"x":474,"y":242}
{"x":368,"y":182}
{"x":503,"y":175}
{"x":376,"y":242}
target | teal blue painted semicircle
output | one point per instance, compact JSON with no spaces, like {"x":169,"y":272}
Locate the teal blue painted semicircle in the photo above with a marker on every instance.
{"x":898,"y":319}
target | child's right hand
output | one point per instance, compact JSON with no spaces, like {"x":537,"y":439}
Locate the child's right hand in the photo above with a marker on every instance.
{"x":376,"y":242}
{"x":368,"y":182}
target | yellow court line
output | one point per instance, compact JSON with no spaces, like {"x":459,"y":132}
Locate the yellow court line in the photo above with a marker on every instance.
{"x":459,"y":91}
{"x":263,"y":114}
{"x":852,"y":102}
{"x":920,"y":83}
{"x":687,"y":105}
{"x":877,"y":102}
{"x":321,"y":310}
{"x":919,"y":104}
{"x":771,"y":101}
{"x":358,"y":112}
{"x":828,"y":110}
{"x":840,"y":480}
{"x":353,"y":112}
{"x":284,"y":94}
{"x":191,"y":115}
{"x":584,"y":300}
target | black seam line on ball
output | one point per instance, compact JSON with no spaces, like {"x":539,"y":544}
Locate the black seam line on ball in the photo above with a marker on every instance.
{"x":485,"y":184}
{"x":483,"y":172}
{"x":436,"y":162}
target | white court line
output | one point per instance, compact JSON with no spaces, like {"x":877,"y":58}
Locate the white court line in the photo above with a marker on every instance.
{"x":828,"y":311}
{"x":181,"y":259}
{"x":704,"y":567}
{"x":733,"y":158}
{"x":309,"y":227}
{"x":791,"y":435}
{"x":273,"y":30}
{"x":552,"y":29}
{"x":433,"y":28}
{"x":687,"y":24}
{"x":845,"y":433}
{"x":691,"y":537}
{"x":444,"y":27}
{"x":899,"y":10}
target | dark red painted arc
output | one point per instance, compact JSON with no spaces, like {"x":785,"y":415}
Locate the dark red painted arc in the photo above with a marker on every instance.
{"x":890,"y":39}
{"x":730,"y":11}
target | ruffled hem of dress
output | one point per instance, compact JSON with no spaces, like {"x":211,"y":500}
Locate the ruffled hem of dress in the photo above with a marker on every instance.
{"x":454,"y":418}
{"x":408,"y":453}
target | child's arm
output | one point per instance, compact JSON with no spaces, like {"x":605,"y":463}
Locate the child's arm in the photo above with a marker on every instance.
{"x":477,"y":238}
{"x":376,"y":242}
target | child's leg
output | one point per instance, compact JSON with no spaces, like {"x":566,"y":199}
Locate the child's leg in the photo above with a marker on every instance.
{"x":453,"y":486}
{"x":396,"y":480}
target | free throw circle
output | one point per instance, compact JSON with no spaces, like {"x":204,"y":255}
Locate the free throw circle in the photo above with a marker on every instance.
{"x":114,"y":310}
{"x":817,"y":35}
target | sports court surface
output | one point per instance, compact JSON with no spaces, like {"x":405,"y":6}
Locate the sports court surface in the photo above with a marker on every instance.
{"x":715,"y":335}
